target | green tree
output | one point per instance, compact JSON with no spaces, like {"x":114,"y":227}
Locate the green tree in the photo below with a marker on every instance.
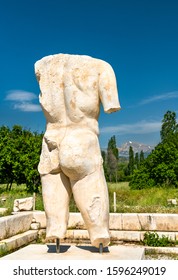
{"x":131,"y":161}
{"x":162,"y":164}
{"x":19,"y":157}
{"x":141,"y":179}
{"x":105,"y":167}
{"x":169,"y":126}
{"x":6,"y":157}
{"x":160,"y":168}
{"x":31,"y":160}
{"x":142,"y":157}
{"x":112,"y":159}
{"x":112,"y":145}
{"x":136,"y":161}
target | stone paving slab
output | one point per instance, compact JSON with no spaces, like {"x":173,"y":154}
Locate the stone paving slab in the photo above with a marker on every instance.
{"x":74,"y":252}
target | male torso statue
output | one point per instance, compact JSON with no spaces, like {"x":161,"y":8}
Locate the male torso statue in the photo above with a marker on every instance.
{"x":72,"y":87}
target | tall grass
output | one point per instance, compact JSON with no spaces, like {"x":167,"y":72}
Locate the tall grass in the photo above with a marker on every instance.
{"x":153,"y":200}
{"x":15,"y":193}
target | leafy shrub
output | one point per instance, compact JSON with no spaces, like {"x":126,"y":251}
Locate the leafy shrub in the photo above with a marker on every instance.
{"x":154,"y":240}
{"x":141,"y":179}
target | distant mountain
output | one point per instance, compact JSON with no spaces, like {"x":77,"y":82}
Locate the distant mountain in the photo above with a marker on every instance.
{"x":137,"y":148}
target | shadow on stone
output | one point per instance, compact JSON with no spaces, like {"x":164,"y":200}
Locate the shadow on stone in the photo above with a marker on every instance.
{"x":52,"y":248}
{"x":93,"y":249}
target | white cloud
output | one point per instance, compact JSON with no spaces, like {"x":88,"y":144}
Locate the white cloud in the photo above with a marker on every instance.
{"x":165,"y":96}
{"x":23,"y":100}
{"x":142,"y":127}
{"x":20,"y":95}
{"x":27,"y":107}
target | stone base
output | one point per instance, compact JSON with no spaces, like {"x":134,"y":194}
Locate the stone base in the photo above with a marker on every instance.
{"x":74,"y":252}
{"x":21,"y":239}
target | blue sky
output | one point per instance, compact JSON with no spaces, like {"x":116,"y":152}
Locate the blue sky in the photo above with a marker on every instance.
{"x":139,"y":38}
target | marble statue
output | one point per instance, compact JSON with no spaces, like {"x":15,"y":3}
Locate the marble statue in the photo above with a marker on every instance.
{"x":72,"y":87}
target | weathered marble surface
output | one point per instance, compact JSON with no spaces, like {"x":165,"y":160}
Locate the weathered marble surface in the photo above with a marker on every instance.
{"x":15,"y":224}
{"x":23,"y":204}
{"x":72,"y":87}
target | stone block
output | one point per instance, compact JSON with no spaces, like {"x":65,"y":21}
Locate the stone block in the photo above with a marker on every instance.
{"x":3,"y":228}
{"x":35,"y":226}
{"x":23,"y":204}
{"x":12,"y":225}
{"x":128,"y":236}
{"x":40,"y":217}
{"x":76,"y":221}
{"x":125,"y":221}
{"x":176,"y":236}
{"x":170,"y":235}
{"x":146,"y":221}
{"x":149,"y":222}
{"x":70,"y":234}
{"x":115,"y":221}
{"x":81,"y":234}
{"x":19,"y":240}
{"x":172,"y":201}
{"x":130,"y":222}
{"x":166,"y":222}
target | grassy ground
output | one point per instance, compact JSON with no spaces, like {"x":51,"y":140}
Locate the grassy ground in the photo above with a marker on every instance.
{"x":16,"y":192}
{"x":20,"y":192}
{"x":152,"y":200}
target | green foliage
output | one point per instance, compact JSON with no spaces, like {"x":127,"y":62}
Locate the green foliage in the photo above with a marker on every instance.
{"x":16,"y":192}
{"x":160,"y":168}
{"x":113,"y":147}
{"x":141,"y":179}
{"x":119,"y":169}
{"x":19,"y":157}
{"x":131,"y":166}
{"x":146,"y":200}
{"x":3,"y":250}
{"x":154,"y":240}
{"x":122,"y":172}
{"x":141,"y":157}
{"x":169,"y":127}
{"x":112,"y":156}
{"x":136,"y":161}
